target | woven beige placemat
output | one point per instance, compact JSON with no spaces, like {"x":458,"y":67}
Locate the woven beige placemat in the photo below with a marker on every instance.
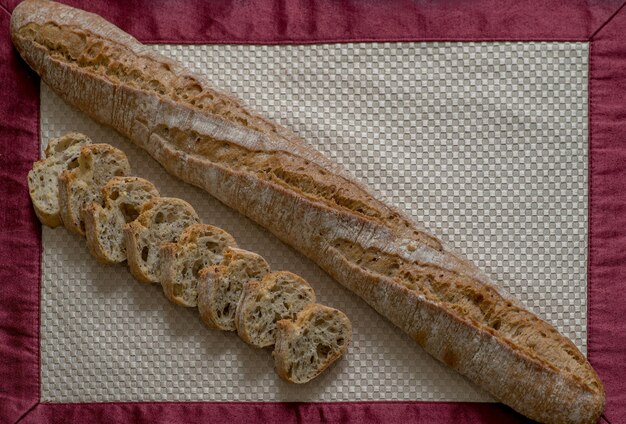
{"x":484,"y":142}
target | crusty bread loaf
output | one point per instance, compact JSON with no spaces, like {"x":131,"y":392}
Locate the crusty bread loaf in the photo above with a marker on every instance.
{"x":123,"y":198}
{"x":311,"y":343}
{"x":82,"y":186}
{"x":162,"y":220}
{"x":220,"y":287}
{"x":199,"y":246}
{"x":43,"y":180}
{"x":279,"y":295}
{"x":266,"y":172}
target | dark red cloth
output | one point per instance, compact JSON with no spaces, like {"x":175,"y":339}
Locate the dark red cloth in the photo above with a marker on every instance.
{"x":606,"y":322}
{"x":314,"y":21}
{"x":272,"y":412}
{"x":20,"y":233}
{"x":603,"y":23}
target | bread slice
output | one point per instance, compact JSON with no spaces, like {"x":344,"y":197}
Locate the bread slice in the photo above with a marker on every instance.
{"x":123,"y":198}
{"x":81,"y":186}
{"x":309,"y":344}
{"x":220,"y":287}
{"x":43,"y":180}
{"x":199,"y":246}
{"x":279,"y":295}
{"x":162,"y":220}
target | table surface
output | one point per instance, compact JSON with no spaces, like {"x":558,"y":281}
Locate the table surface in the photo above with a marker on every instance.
{"x":597,"y":26}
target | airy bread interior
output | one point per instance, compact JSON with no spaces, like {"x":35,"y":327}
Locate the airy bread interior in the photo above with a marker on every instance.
{"x":61,"y":154}
{"x":221,"y":286}
{"x":162,"y":220}
{"x":199,"y":246}
{"x":80,"y":187}
{"x":279,"y":295}
{"x":123,"y":198}
{"x":311,"y":343}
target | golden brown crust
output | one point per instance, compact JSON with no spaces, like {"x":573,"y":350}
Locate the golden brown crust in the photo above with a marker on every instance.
{"x":133,"y":252}
{"x":208,"y":277}
{"x":66,"y":179}
{"x":168,"y":253}
{"x":281,"y":362}
{"x":249,"y":288}
{"x":91,"y":214}
{"x":273,"y":177}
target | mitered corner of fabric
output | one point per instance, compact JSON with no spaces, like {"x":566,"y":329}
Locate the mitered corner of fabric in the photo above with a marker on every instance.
{"x":607,"y":22}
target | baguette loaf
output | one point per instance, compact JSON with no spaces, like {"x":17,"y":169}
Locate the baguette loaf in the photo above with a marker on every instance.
{"x":207,"y":138}
{"x":165,"y":242}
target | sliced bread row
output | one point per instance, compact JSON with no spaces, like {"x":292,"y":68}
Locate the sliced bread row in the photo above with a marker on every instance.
{"x":85,"y":187}
{"x":70,"y":177}
{"x":234,"y":290}
{"x":273,"y":308}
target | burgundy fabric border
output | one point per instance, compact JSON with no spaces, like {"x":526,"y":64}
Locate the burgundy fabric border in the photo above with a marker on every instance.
{"x":284,"y":413}
{"x":607,"y":213}
{"x":300,"y":21}
{"x":20,"y":234}
{"x":316,"y":21}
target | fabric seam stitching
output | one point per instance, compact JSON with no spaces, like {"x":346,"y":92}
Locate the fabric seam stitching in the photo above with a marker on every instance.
{"x":229,"y":402}
{"x":3,"y":7}
{"x":38,"y":316}
{"x":27,"y":412}
{"x":590,"y":248}
{"x":613,"y":15}
{"x":589,"y":192}
{"x":364,"y":40}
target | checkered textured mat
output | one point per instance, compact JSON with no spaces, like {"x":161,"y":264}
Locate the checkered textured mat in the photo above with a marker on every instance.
{"x":486,"y":143}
